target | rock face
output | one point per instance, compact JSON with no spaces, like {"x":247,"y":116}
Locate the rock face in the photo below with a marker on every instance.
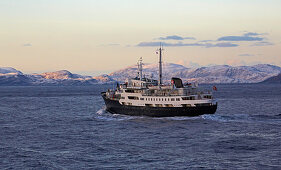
{"x":274,"y":79}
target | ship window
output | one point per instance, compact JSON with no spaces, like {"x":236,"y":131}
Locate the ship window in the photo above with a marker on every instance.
{"x":149,"y":105}
{"x":129,"y":103}
{"x":208,"y":97}
{"x":141,"y":98}
{"x":129,"y":91}
{"x":177,"y":99}
{"x":133,"y":97}
{"x":165,"y":99}
{"x":158,"y":105}
{"x":122,"y":97}
{"x":203,"y":104}
{"x":186,"y":105}
{"x":172,"y":99}
{"x":168,"y":105}
{"x":123,"y":103}
{"x":186,"y":98}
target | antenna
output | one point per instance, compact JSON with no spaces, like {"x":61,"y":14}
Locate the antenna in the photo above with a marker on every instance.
{"x":160,"y":65}
{"x":140,"y":67}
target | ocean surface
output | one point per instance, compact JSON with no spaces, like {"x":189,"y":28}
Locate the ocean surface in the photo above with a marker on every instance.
{"x":68,"y":128}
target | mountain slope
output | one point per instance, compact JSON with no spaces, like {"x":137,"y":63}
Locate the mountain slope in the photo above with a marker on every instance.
{"x":212,"y":74}
{"x":9,"y":70}
{"x":274,"y":79}
{"x":13,"y":77}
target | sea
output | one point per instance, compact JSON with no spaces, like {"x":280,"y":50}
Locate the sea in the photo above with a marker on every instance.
{"x":68,"y":128}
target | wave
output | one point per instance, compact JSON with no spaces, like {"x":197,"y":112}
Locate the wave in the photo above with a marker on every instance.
{"x":243,"y":118}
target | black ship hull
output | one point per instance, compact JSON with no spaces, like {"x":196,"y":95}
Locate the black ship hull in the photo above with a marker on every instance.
{"x":114,"y":107}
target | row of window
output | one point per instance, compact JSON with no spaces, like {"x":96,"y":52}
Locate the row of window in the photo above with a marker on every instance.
{"x":158,"y":99}
{"x":158,"y":105}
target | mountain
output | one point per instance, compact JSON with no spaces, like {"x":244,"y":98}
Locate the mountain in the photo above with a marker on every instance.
{"x":13,"y":77}
{"x":104,"y":78}
{"x":9,"y":70}
{"x":274,"y":79}
{"x":149,"y":70}
{"x":212,"y":74}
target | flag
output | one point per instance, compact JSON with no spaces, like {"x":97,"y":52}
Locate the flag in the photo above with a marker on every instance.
{"x":215,"y":88}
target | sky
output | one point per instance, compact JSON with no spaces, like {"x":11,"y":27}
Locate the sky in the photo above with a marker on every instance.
{"x":92,"y":37}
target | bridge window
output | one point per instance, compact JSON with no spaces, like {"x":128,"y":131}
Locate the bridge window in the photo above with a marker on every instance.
{"x":177,"y":99}
{"x":172,"y":99}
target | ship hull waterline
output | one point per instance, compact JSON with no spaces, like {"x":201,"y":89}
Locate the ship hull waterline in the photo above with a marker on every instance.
{"x":114,"y":107}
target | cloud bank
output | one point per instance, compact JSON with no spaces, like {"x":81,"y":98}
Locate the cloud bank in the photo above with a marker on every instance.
{"x":224,"y":41}
{"x":180,"y":44}
{"x":249,"y":36}
{"x":175,"y":37}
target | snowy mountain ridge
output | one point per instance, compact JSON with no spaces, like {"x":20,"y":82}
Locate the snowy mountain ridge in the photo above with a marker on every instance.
{"x":211,"y":74}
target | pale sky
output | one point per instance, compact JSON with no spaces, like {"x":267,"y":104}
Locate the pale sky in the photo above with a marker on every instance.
{"x":100,"y":36}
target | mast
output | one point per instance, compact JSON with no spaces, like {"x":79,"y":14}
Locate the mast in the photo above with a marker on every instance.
{"x":140,"y":68}
{"x":160,"y":66}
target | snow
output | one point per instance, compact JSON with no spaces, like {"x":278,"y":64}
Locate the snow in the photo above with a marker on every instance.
{"x":5,"y":70}
{"x":210,"y":74}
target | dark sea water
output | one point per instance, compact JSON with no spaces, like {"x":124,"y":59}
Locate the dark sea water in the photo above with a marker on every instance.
{"x":68,"y":128}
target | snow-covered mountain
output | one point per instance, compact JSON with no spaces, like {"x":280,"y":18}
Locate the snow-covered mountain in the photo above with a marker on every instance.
{"x":274,"y":79}
{"x":212,"y":74}
{"x":9,"y":70}
{"x":12,"y":76}
{"x":149,"y":70}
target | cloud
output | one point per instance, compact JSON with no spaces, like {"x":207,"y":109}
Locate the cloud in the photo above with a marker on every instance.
{"x":27,"y":45}
{"x":175,"y":37}
{"x":263,"y":43}
{"x":180,"y":44}
{"x":246,"y":55}
{"x":227,"y":44}
{"x":249,"y":36}
{"x":206,"y":41}
{"x":224,"y":41}
{"x":240,"y":38}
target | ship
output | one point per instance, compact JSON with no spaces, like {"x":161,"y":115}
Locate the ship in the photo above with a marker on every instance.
{"x":141,"y":96}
